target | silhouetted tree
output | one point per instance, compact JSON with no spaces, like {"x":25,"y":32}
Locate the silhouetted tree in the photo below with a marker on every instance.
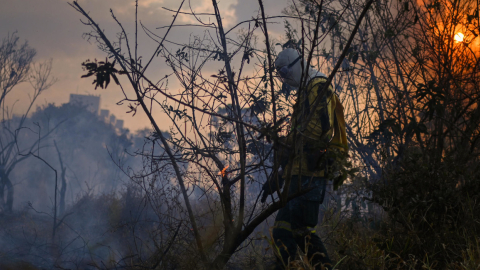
{"x":17,"y":67}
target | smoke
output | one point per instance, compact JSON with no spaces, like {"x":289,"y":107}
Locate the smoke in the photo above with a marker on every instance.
{"x":101,"y":207}
{"x":122,"y":204}
{"x":89,"y":148}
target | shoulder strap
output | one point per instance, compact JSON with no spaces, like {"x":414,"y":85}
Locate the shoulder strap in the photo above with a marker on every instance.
{"x":324,"y":117}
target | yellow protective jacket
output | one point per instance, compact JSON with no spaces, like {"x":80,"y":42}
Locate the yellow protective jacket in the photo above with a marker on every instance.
{"x":328,"y":120}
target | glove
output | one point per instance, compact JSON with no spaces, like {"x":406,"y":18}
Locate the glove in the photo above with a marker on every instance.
{"x":271,"y":185}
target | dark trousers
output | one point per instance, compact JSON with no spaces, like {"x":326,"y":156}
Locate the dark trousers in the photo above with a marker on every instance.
{"x":295,"y":223}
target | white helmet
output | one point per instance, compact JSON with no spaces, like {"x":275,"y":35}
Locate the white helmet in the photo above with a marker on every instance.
{"x":288,"y":66}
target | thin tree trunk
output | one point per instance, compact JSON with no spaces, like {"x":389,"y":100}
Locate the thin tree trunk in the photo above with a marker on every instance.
{"x":63,"y":188}
{"x":232,"y":231}
{"x":2,"y":194}
{"x":10,"y":190}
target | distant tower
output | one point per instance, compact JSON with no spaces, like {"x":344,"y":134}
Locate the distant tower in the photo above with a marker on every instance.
{"x":104,"y":114}
{"x":92,"y":103}
{"x":112,"y":119}
{"x":119,"y":124}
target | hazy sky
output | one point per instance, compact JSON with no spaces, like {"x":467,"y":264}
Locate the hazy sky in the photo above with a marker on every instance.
{"x":54,"y":29}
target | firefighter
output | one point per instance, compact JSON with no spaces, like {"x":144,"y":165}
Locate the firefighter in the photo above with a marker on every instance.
{"x":311,"y":142}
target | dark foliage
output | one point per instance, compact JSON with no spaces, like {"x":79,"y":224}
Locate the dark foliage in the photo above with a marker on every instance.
{"x":102,"y":71}
{"x":432,"y":207}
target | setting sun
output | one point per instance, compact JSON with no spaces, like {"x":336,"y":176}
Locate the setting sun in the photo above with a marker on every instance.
{"x":458,"y":37}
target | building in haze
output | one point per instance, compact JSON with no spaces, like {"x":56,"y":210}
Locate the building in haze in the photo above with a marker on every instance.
{"x":91,"y":102}
{"x":104,"y":114}
{"x":112,"y":119}
{"x":119,"y":124}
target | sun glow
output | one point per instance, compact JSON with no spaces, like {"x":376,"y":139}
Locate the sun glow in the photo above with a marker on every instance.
{"x":458,"y":37}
